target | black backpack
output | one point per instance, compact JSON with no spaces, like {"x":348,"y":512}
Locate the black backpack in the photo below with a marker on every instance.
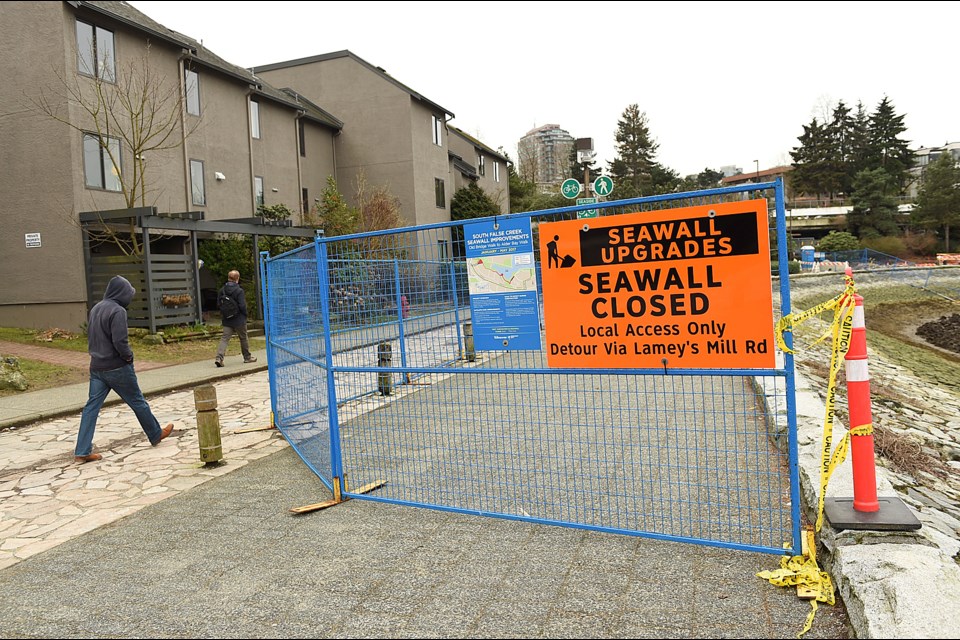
{"x":228,"y":306}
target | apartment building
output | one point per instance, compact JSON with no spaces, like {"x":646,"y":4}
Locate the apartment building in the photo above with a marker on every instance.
{"x":924,"y":157}
{"x":403,"y":130}
{"x":545,"y":156}
{"x":473,"y":161}
{"x":232,"y":142}
{"x":236,"y":138}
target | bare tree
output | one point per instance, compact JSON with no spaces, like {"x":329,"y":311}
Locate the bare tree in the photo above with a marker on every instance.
{"x":140,"y":112}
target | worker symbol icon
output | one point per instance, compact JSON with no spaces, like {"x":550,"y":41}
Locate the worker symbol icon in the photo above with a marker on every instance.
{"x":553,"y":256}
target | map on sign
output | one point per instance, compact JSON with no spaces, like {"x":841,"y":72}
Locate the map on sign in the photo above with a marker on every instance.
{"x":501,"y":274}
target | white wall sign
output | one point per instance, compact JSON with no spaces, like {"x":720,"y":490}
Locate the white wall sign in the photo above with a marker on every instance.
{"x":32,"y":240}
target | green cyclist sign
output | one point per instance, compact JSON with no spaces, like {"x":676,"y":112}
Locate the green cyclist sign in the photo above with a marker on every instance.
{"x":570,"y":188}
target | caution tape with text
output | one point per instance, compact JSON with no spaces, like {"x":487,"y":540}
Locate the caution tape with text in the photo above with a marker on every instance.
{"x":802,"y":571}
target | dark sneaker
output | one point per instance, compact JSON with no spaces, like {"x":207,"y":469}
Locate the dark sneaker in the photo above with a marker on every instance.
{"x":251,"y":359}
{"x":219,"y":363}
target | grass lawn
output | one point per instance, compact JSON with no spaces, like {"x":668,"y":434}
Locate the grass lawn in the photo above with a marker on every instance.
{"x":42,"y":375}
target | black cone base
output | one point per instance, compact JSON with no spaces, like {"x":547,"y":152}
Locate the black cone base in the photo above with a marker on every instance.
{"x":893,"y":515}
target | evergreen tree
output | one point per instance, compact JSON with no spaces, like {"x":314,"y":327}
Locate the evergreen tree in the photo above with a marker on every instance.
{"x":709,"y":178}
{"x":633,"y":167}
{"x":524,"y":195}
{"x":706,"y":179}
{"x":472,"y":202}
{"x":886,"y":150}
{"x":838,"y":241}
{"x":859,"y":145}
{"x":875,"y":210}
{"x":663,"y":179}
{"x":811,"y":161}
{"x":938,"y":203}
{"x":840,"y":134}
{"x":335,"y":217}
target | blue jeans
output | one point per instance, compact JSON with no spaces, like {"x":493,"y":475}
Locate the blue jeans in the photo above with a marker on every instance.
{"x":124,"y":382}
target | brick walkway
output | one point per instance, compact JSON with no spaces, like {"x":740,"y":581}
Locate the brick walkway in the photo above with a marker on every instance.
{"x":64,"y":357}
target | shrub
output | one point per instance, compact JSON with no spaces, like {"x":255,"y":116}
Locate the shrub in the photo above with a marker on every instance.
{"x":922,"y":244}
{"x":838,"y":241}
{"x":890,"y":245}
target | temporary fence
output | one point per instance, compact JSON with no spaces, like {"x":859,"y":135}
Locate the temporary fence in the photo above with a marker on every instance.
{"x":449,"y":366}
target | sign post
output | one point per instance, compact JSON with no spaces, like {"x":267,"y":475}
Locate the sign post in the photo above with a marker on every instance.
{"x":587,"y":213}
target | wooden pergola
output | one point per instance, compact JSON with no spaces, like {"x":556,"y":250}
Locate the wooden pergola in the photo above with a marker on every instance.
{"x":169,"y":272}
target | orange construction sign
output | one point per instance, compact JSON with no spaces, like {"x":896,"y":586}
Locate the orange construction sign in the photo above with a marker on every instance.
{"x":679,"y":288}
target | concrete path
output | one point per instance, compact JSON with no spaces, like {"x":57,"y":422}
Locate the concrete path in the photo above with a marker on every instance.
{"x":149,"y":542}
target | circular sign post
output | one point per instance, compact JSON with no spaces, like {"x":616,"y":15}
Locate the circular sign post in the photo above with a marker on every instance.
{"x":602,"y":186}
{"x":570,"y":188}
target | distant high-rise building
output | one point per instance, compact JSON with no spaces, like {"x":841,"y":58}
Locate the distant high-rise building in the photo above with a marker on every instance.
{"x":545,"y":155}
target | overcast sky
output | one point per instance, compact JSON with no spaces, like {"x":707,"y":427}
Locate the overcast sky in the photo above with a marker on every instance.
{"x":721,"y":83}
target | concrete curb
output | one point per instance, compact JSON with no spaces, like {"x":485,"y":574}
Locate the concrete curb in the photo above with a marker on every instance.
{"x":894,"y":584}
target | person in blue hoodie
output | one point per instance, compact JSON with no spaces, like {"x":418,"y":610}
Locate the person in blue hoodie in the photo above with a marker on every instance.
{"x":111,"y":368}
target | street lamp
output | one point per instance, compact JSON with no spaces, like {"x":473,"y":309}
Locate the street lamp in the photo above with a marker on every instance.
{"x":757,"y":162}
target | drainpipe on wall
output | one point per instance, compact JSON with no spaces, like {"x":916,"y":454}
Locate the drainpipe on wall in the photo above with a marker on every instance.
{"x":181,"y":63}
{"x":296,"y":124}
{"x":253,"y":185}
{"x":188,"y":194}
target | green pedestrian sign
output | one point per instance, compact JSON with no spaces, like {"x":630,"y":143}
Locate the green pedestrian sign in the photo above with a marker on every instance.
{"x":570,"y":188}
{"x":587,"y":213}
{"x":603,"y":186}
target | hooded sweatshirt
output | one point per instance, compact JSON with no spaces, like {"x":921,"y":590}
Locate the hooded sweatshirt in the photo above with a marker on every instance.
{"x":107,"y":328}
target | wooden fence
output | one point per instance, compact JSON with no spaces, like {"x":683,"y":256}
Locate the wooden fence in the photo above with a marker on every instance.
{"x":166,"y":287}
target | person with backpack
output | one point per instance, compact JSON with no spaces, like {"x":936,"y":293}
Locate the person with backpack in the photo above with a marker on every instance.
{"x":233,"y":313}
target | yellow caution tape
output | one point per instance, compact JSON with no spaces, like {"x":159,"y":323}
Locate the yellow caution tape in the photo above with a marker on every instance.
{"x":803,"y":570}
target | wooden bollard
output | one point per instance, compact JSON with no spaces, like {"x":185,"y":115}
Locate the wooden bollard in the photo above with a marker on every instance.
{"x":208,"y":424}
{"x":468,"y":342}
{"x":384,"y":359}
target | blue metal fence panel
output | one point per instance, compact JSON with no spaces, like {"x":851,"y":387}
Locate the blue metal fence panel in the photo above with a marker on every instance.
{"x":389,"y":364}
{"x":296,"y":354}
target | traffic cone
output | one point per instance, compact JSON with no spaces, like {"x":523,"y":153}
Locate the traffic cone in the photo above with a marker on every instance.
{"x":858,"y":402}
{"x":865,"y":510}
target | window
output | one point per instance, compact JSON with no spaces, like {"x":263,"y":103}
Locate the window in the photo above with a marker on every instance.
{"x":196,"y":183}
{"x":258,"y":191}
{"x":437,"y":128}
{"x":255,"y":119}
{"x":96,"y":55}
{"x":496,"y":172}
{"x":305,"y":197}
{"x":481,"y":167}
{"x":441,"y":195}
{"x":303,"y":137}
{"x":101,"y":160}
{"x":192,"y":82}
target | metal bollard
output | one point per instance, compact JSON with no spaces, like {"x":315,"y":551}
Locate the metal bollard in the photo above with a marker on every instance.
{"x":384,"y":359}
{"x":208,"y":424}
{"x":468,"y":341}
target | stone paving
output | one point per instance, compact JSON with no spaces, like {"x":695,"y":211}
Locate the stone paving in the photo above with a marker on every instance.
{"x":47,"y":498}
